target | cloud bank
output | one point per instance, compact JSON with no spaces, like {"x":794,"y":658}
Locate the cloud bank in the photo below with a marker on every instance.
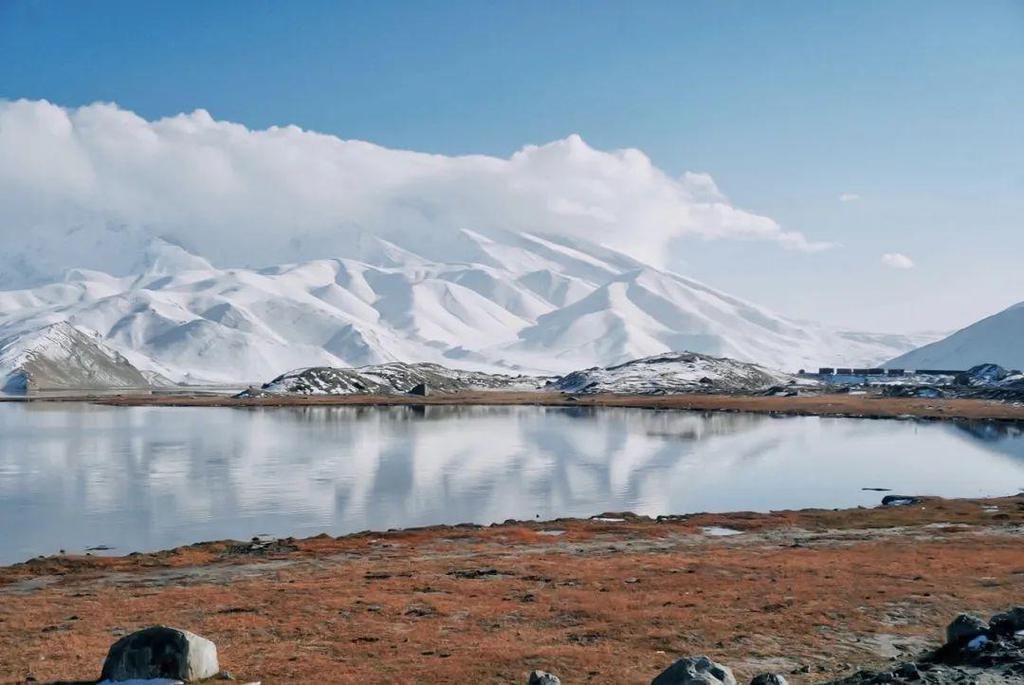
{"x":849,"y":197}
{"x":78,"y":188}
{"x":895,"y":260}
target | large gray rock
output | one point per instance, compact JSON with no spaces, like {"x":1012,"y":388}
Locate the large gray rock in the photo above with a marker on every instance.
{"x":768,"y":679}
{"x":1007,"y":622}
{"x":695,"y":670}
{"x":543,"y":678}
{"x":161,"y":652}
{"x":965,"y":628}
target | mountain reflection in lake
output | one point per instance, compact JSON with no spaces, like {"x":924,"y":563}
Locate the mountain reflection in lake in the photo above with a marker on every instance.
{"x":142,"y":478}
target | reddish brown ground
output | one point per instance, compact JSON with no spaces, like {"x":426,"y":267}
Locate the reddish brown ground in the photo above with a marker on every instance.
{"x":868,"y":406}
{"x":604,"y":602}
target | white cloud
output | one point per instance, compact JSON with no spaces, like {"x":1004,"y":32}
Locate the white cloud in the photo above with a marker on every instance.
{"x":895,"y":260}
{"x":849,"y":197}
{"x":254,"y":197}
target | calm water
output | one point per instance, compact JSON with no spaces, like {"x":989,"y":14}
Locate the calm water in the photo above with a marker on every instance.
{"x":77,"y":476}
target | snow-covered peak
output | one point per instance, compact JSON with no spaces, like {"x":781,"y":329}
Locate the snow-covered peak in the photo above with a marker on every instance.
{"x":499,"y":301}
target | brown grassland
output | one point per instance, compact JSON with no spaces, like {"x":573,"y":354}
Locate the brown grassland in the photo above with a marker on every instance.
{"x":818,"y":591}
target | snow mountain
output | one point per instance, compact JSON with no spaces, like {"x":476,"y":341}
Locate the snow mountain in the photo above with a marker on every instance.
{"x":996,"y":339}
{"x":61,"y":357}
{"x":501,"y":302}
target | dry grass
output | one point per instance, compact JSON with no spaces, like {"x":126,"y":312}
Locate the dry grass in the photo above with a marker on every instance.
{"x":602,"y":603}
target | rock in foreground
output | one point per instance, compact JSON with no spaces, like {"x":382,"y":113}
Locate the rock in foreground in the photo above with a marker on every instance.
{"x":698,"y":670}
{"x":768,"y":679}
{"x":543,"y":678}
{"x":161,"y":652}
{"x":975,"y":653}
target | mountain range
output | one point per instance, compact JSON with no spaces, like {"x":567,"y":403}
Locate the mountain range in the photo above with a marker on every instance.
{"x":504,"y":301}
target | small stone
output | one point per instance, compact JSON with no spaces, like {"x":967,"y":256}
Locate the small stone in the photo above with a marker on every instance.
{"x":543,"y":678}
{"x":161,"y":652}
{"x":768,"y":679}
{"x":698,"y":670}
{"x":965,"y":628}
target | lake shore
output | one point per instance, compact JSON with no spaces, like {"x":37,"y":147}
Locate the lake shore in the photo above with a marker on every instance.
{"x":838,"y":405}
{"x":814,"y":594}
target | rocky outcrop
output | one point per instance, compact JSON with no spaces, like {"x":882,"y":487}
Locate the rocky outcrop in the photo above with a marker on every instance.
{"x":161,"y":652}
{"x":975,"y":652}
{"x":699,"y":670}
{"x":391,"y":379}
{"x":675,"y":372}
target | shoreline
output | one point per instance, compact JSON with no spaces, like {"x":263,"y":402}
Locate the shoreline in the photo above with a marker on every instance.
{"x":824,"y":405}
{"x":814,"y":594}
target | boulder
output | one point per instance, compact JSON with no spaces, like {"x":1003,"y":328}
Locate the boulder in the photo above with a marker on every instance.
{"x":161,"y":652}
{"x":965,"y":628}
{"x":695,"y":670}
{"x":420,"y":390}
{"x":768,"y":679}
{"x":543,"y":678}
{"x":1007,"y":622}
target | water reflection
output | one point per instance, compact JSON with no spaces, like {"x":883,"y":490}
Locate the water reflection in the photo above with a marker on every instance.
{"x":72,"y":476}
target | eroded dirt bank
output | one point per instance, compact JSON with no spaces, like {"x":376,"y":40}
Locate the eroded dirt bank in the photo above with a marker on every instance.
{"x":813,"y":594}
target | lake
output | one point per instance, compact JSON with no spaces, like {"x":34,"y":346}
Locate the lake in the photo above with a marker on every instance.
{"x":74,"y":476}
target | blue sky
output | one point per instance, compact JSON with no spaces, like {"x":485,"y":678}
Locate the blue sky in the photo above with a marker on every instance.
{"x":915,"y":107}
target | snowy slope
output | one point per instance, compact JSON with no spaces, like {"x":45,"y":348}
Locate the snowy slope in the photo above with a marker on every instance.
{"x":507,"y":302}
{"x":673,"y":373}
{"x":392,"y":378}
{"x":998,"y":339}
{"x":61,"y":357}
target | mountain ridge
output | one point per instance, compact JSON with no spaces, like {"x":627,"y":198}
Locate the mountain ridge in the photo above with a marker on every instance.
{"x":503,"y":301}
